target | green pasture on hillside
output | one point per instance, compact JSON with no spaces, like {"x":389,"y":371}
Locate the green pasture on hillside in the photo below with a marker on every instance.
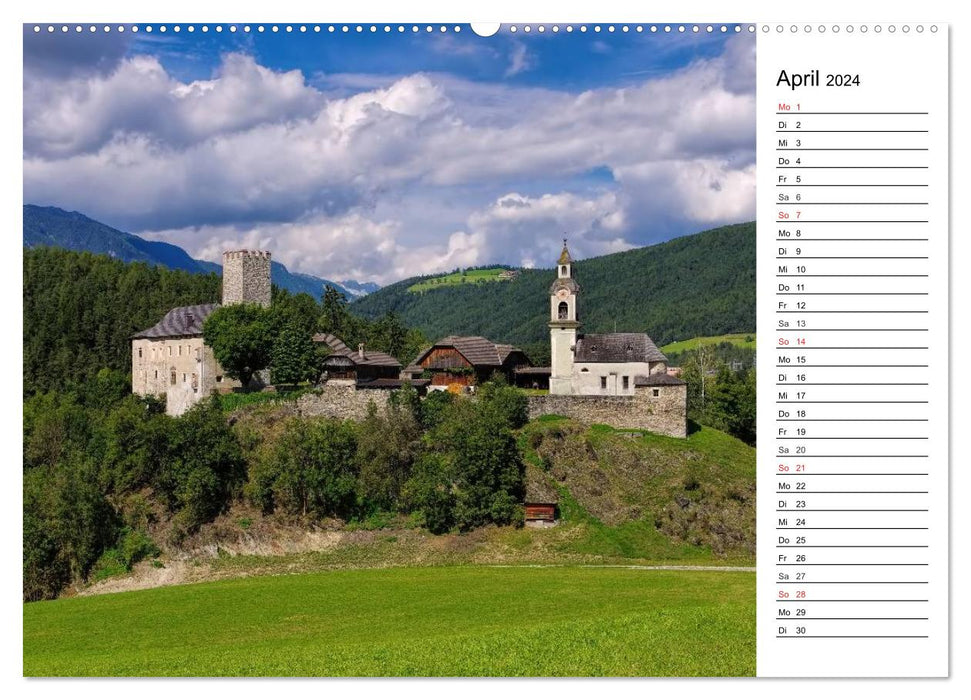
{"x":742,"y":340}
{"x":447,"y":621}
{"x":490,"y":274}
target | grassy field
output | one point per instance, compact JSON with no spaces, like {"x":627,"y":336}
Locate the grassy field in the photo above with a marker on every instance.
{"x":743,"y":340}
{"x":456,"y":278}
{"x":446,"y":621}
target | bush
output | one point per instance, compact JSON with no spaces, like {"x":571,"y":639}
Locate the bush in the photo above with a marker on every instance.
{"x":509,"y":405}
{"x":434,"y":409}
{"x":68,"y":523}
{"x":133,"y":546}
{"x":430,"y":492}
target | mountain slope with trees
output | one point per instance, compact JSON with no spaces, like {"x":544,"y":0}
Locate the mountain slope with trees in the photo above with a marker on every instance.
{"x":50,"y":226}
{"x":698,"y":285}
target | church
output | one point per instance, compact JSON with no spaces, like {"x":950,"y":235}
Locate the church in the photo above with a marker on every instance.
{"x":597,"y":364}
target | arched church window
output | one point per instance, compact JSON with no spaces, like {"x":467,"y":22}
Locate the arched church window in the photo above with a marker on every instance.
{"x":563,"y":311}
{"x":563,"y":270}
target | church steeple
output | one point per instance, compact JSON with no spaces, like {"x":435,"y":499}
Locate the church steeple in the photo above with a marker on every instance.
{"x":564,"y":322}
{"x":565,"y":263}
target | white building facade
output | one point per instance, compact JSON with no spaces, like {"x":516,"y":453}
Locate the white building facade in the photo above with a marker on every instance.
{"x":604,"y":364}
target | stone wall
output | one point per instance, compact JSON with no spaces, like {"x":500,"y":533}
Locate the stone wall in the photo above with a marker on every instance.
{"x":341,"y":399}
{"x":246,"y":277}
{"x":665,"y":414}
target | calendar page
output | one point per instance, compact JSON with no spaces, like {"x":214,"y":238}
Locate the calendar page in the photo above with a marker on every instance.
{"x":457,"y":350}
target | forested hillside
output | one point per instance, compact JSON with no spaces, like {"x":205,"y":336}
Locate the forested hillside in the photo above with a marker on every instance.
{"x":80,"y":311}
{"x":700,"y":285}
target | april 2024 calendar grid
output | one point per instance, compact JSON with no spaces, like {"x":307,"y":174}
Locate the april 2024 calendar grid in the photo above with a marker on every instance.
{"x":852,"y":296}
{"x":506,"y":168}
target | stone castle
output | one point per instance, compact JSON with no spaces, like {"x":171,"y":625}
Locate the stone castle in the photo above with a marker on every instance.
{"x":171,"y":359}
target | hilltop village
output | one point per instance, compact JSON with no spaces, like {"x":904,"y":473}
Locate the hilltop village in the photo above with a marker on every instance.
{"x":618,"y":379}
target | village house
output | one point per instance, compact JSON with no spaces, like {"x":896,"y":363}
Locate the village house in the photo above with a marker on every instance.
{"x":463,"y":361}
{"x":365,"y":368}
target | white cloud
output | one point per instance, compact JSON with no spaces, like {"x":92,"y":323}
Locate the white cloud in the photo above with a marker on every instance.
{"x":425,"y":173}
{"x":519,"y":60}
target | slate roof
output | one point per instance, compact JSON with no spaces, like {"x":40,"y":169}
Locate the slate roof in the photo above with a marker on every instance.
{"x":479,"y":351}
{"x":617,"y":347}
{"x":659,"y":379}
{"x":331,"y":341}
{"x":179,"y":322}
{"x":372,"y":358}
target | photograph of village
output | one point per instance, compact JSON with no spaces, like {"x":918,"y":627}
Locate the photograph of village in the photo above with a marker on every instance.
{"x":385,"y":351}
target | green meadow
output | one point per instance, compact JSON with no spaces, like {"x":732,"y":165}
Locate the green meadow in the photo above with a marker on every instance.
{"x":435,"y":621}
{"x":490,"y":274}
{"x":742,"y":340}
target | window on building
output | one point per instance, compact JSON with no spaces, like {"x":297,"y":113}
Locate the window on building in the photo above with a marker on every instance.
{"x":219,"y":378}
{"x":183,"y":377}
{"x":626,"y":382}
{"x":563,"y":270}
{"x":563,"y":311}
{"x":180,"y":350}
{"x":139,"y":352}
{"x":656,"y":392}
{"x":603,"y":382}
{"x":156,"y":374}
{"x":172,"y":378}
{"x":170,"y":351}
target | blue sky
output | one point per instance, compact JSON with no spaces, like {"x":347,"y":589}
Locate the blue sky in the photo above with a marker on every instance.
{"x":383,"y":155}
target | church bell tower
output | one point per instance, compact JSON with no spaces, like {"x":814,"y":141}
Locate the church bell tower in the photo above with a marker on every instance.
{"x":563,"y":324}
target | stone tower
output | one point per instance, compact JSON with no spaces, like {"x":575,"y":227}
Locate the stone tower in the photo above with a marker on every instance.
{"x":246,"y":277}
{"x":563,"y":324}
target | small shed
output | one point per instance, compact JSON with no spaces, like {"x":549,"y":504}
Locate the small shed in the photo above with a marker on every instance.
{"x":541,"y":512}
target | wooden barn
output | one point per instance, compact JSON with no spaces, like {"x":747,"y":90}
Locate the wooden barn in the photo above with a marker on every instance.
{"x":463,"y":361}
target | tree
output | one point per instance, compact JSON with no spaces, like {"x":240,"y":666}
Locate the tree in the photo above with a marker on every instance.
{"x":313,"y":469}
{"x":430,"y":492}
{"x":387,"y":447}
{"x":480,"y":472}
{"x":204,"y":466}
{"x":733,"y":403}
{"x":389,"y":334}
{"x":295,"y":358}
{"x":241,"y":338}
{"x":334,"y":315}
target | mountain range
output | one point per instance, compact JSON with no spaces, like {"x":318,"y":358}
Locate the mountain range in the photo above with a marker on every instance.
{"x":51,"y":226}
